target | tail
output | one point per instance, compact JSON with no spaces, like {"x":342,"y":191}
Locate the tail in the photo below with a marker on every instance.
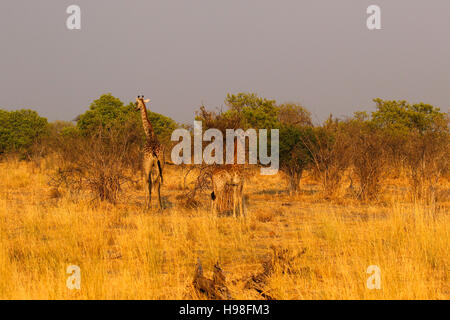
{"x":160,"y":171}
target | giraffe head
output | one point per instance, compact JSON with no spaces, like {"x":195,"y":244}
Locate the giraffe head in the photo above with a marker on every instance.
{"x":140,"y":103}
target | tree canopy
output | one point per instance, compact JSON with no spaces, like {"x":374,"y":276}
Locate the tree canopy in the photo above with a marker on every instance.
{"x":403,"y":117}
{"x":253,"y":111}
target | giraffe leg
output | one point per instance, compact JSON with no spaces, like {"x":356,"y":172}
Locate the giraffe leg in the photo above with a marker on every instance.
{"x":234,"y":200}
{"x":145,"y":183}
{"x":159,"y":194}
{"x":147,"y":166}
{"x":149,"y":186}
{"x":213,"y":203}
{"x":241,"y":201}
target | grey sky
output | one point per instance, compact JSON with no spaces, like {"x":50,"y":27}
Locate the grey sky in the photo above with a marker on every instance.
{"x":181,"y":53}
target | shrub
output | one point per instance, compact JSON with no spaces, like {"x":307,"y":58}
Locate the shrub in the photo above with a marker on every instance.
{"x":19,"y":130}
{"x":368,"y":156}
{"x":99,"y":162}
{"x":330,"y":153}
{"x":426,"y":160}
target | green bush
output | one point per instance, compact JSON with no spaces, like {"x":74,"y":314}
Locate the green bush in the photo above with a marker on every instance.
{"x":295,"y":156}
{"x":19,"y":130}
{"x":253,"y":111}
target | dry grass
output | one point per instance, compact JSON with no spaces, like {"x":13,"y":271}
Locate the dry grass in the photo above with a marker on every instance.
{"x":126,"y":253}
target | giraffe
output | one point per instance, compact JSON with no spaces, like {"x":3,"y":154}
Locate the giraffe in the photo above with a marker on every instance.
{"x":153,"y":160}
{"x":229,"y":176}
{"x":224,"y":178}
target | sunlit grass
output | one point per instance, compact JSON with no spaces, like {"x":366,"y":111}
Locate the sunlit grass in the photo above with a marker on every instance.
{"x":126,"y":253}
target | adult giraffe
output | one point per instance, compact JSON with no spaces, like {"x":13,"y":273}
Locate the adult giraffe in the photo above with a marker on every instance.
{"x":153,"y":161}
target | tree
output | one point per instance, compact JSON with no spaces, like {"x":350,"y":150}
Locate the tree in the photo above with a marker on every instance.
{"x":254,"y":112}
{"x":20,"y":129}
{"x":106,"y":111}
{"x":418,"y":138}
{"x":295,"y":156}
{"x":296,"y":132}
{"x":294,"y":114}
{"x":401,"y":117}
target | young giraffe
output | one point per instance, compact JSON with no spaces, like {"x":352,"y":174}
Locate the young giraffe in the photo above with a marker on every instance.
{"x":153,"y":161}
{"x":226,"y":177}
{"x":223,"y":178}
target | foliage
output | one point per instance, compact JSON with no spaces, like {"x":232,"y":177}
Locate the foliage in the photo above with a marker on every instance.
{"x":253,"y":111}
{"x":20,"y":129}
{"x":402,"y":117}
{"x":294,"y":153}
{"x":417,"y":138}
{"x":294,"y":114}
{"x":58,"y":126}
{"x":107,"y":111}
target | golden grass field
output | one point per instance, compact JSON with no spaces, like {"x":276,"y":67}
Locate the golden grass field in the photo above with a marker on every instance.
{"x":127,"y":253}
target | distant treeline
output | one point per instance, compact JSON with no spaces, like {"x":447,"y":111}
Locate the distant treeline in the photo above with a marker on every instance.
{"x":397,"y":136}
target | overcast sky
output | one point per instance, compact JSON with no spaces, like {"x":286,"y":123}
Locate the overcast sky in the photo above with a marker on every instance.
{"x":182,"y":53}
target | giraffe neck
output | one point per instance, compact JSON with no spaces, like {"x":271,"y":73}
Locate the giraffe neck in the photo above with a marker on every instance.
{"x":148,"y":128}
